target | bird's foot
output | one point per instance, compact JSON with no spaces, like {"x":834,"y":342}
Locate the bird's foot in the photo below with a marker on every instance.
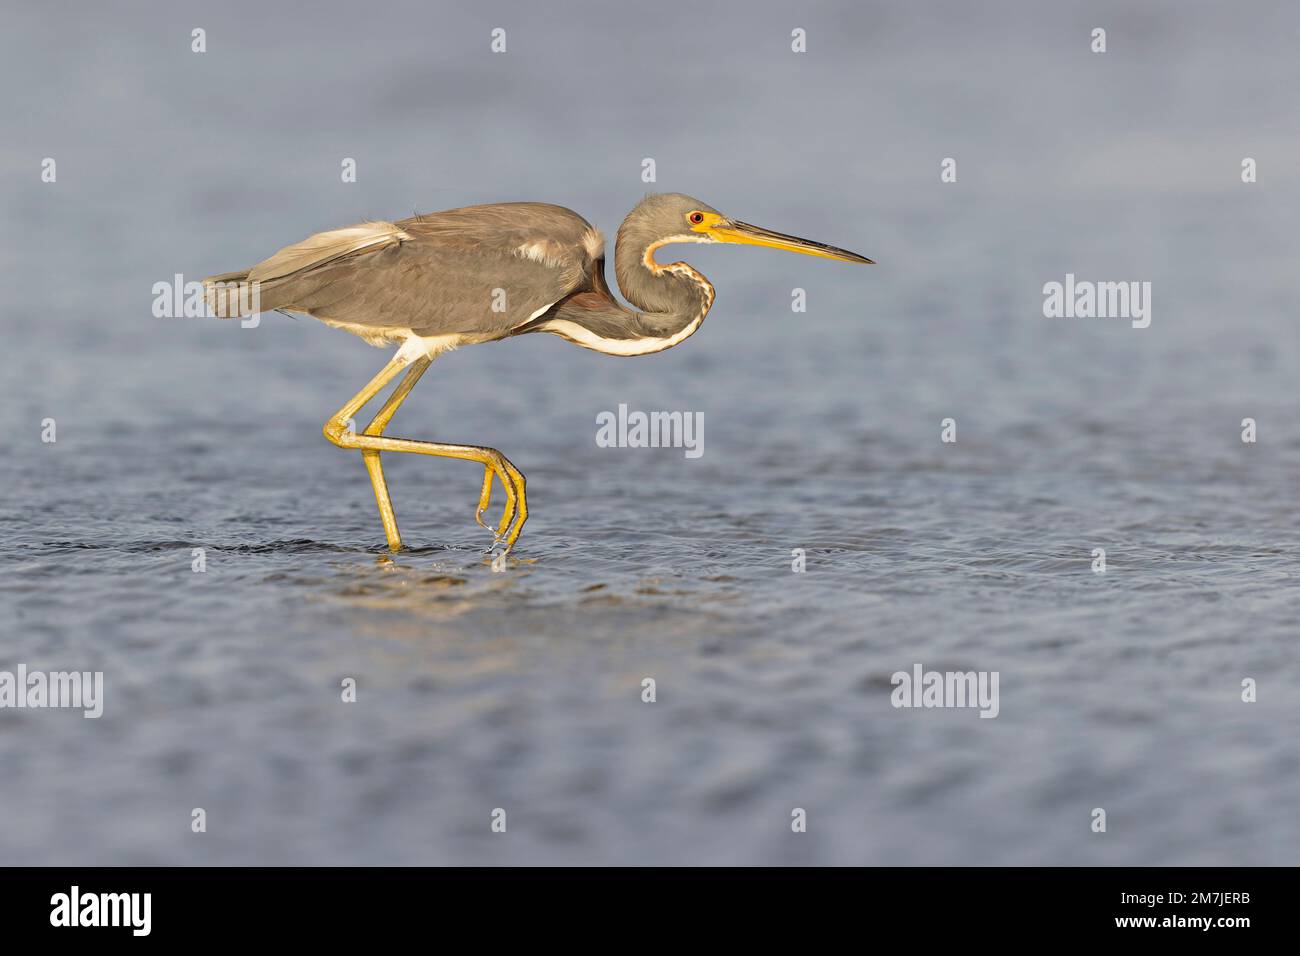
{"x":515,"y":511}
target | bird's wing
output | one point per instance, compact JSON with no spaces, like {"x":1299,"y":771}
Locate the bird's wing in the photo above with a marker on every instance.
{"x":476,"y":272}
{"x":327,"y":247}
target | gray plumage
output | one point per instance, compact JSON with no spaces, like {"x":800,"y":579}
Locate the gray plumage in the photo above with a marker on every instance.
{"x":482,"y":273}
{"x":434,"y":275}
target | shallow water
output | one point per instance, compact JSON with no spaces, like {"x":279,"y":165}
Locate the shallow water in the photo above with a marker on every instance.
{"x":522,"y":689}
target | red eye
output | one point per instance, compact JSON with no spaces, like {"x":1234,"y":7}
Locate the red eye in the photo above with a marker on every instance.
{"x":696,"y":217}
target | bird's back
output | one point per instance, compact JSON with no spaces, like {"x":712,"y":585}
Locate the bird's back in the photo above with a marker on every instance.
{"x":472,"y":274}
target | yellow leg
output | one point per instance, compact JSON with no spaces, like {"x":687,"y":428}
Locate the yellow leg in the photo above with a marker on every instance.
{"x":376,"y":471}
{"x":371,"y":442}
{"x":371,"y":458}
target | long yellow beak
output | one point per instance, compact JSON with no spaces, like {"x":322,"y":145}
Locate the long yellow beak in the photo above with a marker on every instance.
{"x":732,"y":230}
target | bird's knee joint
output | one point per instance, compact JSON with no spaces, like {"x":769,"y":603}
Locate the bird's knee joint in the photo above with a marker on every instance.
{"x":339,"y":434}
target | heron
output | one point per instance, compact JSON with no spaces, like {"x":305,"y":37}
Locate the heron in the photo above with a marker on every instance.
{"x":435,"y":282}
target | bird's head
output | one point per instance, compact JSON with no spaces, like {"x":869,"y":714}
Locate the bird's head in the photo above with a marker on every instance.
{"x":662,"y":218}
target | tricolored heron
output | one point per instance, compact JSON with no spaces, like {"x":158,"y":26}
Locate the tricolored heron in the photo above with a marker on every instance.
{"x":483,"y":273}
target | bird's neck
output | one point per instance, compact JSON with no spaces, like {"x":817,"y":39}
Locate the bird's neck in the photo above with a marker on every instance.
{"x":669,"y":298}
{"x":670,"y":303}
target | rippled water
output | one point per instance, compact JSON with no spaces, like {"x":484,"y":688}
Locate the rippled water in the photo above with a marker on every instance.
{"x":522,"y":689}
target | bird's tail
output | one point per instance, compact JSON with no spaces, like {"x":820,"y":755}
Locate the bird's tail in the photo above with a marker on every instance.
{"x":230,"y":295}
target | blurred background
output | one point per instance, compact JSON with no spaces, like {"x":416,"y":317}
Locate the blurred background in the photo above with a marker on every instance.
{"x":521,"y":690}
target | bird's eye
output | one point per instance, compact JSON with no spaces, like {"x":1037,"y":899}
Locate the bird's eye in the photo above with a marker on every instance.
{"x":696,"y":217}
